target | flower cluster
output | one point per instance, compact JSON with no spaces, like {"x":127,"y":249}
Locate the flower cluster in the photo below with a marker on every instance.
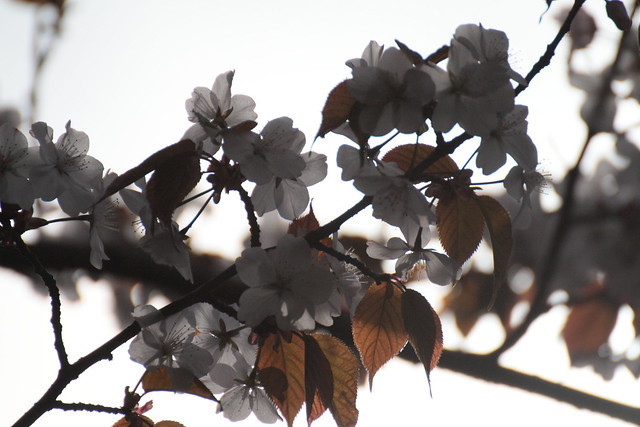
{"x":201,"y":342}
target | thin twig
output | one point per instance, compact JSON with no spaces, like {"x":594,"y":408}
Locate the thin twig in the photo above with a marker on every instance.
{"x":54,"y":293}
{"x":87,"y":407}
{"x":254,"y":227}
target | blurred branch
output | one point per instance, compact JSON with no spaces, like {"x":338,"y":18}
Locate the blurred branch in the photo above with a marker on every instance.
{"x":484,"y":367}
{"x":549,"y":263}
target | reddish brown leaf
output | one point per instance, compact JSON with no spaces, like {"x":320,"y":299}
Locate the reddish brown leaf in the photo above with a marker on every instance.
{"x":344,"y":370}
{"x":378,"y":327}
{"x":460,"y":224}
{"x":499,"y":226}
{"x":409,"y":155}
{"x":160,"y":379}
{"x":588,"y":327}
{"x":302,"y":225}
{"x":149,"y":165}
{"x":617,"y":12}
{"x":439,"y":55}
{"x":281,"y":369}
{"x":337,"y":109}
{"x":423,"y":326}
{"x":412,"y":55}
{"x":134,"y":420}
{"x":171,"y":182}
{"x":318,"y":379}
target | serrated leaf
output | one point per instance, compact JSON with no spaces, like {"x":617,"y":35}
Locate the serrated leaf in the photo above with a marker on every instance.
{"x":281,"y":369}
{"x":344,"y":369}
{"x":337,"y":109}
{"x":409,"y":155}
{"x":424,"y":328}
{"x":460,"y":224}
{"x":499,"y":226}
{"x":149,"y":165}
{"x":378,"y":327}
{"x":588,"y":327}
{"x":171,"y":182}
{"x":161,"y":379}
{"x":318,"y":379}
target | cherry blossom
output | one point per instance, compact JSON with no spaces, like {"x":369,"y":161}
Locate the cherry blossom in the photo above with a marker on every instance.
{"x":168,"y":343}
{"x":275,"y":152}
{"x":487,"y":46}
{"x":370,"y":56}
{"x":166,"y":246}
{"x":440,"y":269}
{"x":395,"y":200}
{"x":520,"y":184}
{"x":104,"y":220}
{"x":226,"y":339}
{"x":216,"y":109}
{"x":476,"y":86}
{"x":65,"y":172}
{"x":290,"y":196}
{"x":15,"y":162}
{"x":392,"y":93}
{"x":509,"y":137}
{"x":246,"y":396}
{"x":284,"y":282}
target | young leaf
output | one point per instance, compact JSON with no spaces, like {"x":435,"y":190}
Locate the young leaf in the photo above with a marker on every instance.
{"x":378,"y":328}
{"x":344,"y":370}
{"x":337,"y":109}
{"x":499,"y":226}
{"x":318,"y":379}
{"x":409,"y":155}
{"x":588,"y":327}
{"x":617,"y":12}
{"x":424,"y":329}
{"x":160,"y":379}
{"x":460,"y":224}
{"x":412,"y":55}
{"x":281,"y":369}
{"x":171,"y":182}
{"x":149,"y":165}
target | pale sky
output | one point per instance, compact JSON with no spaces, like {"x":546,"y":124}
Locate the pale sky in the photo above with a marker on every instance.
{"x":121,"y":72}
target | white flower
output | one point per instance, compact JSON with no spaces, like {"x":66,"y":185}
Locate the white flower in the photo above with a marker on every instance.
{"x":519,"y":184}
{"x":350,"y":283}
{"x":284,"y":282}
{"x":392,"y":93}
{"x":66,"y":171}
{"x":370,"y":56}
{"x":15,"y":161}
{"x":290,"y":196}
{"x":441,"y":270}
{"x":395,"y":200}
{"x":275,"y":152}
{"x":246,"y":396}
{"x":476,"y":86}
{"x":167,"y":343}
{"x":509,"y":137}
{"x":226,"y":339}
{"x":216,"y":109}
{"x":104,"y":220}
{"x":354,"y":164}
{"x":166,"y":246}
{"x":487,"y":46}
